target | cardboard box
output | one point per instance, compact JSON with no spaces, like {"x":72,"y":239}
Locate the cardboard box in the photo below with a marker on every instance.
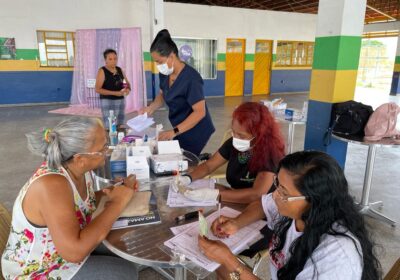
{"x":118,"y":163}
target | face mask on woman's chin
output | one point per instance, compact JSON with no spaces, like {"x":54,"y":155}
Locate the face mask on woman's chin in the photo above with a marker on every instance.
{"x":241,"y":145}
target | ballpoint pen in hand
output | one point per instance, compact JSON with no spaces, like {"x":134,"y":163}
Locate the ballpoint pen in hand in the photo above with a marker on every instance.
{"x":219,"y":212}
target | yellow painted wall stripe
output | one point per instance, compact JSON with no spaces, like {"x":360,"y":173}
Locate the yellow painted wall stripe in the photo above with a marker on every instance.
{"x":28,"y":65}
{"x":33,"y":65}
{"x":221,"y":66}
{"x":147,"y":66}
{"x":333,"y":86}
{"x":249,"y":65}
{"x":291,"y":68}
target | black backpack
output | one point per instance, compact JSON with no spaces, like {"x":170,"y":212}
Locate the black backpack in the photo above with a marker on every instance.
{"x":348,"y":118}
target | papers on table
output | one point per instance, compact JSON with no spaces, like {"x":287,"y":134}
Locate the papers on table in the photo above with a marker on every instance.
{"x":140,"y":122}
{"x":187,"y":236}
{"x":178,"y":200}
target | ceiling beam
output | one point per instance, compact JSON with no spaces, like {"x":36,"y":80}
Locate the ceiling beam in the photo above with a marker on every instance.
{"x":380,"y":12}
{"x":287,"y":3}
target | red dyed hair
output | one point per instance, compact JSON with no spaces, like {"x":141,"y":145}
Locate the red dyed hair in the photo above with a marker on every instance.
{"x":268,"y":144}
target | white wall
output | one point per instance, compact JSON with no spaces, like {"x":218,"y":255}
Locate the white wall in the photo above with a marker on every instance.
{"x":20,"y":19}
{"x":223,"y":22}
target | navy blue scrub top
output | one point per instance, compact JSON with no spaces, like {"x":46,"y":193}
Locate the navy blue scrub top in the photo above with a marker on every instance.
{"x":186,"y":91}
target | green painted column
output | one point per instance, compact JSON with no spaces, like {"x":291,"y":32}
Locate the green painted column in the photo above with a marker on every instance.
{"x":334,"y":73}
{"x":395,"y":89}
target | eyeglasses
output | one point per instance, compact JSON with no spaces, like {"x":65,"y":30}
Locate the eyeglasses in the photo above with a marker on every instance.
{"x":102,"y":152}
{"x":282,"y":196}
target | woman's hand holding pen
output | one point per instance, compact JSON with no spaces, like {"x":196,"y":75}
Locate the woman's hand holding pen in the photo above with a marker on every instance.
{"x":123,"y":193}
{"x":223,"y":227}
{"x":131,"y":182}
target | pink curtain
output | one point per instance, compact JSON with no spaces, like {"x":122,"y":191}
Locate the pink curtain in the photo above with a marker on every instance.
{"x":85,"y":65}
{"x":130,"y":58}
{"x":89,"y":47}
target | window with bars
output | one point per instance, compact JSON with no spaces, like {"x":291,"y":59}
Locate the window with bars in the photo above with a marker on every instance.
{"x":293,"y":53}
{"x":56,"y":48}
{"x":201,"y":54}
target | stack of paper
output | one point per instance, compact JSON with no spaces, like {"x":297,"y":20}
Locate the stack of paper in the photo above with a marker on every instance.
{"x":140,"y":122}
{"x":178,"y":200}
{"x":186,"y":240}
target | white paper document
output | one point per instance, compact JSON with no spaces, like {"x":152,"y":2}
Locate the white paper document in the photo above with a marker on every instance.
{"x":186,"y":241}
{"x":178,"y":200}
{"x":140,"y":122}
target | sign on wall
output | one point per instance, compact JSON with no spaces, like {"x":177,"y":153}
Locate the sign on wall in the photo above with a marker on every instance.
{"x":7,"y":48}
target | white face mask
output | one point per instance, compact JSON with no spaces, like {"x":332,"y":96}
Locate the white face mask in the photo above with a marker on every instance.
{"x":164,"y":69}
{"x":241,"y":145}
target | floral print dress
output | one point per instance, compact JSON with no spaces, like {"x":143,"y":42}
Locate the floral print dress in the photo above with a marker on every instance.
{"x":30,"y":252}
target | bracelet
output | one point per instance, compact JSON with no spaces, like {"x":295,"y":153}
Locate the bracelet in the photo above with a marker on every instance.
{"x":191,"y":179}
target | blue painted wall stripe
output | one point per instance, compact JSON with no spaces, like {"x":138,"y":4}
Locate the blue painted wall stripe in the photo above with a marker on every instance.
{"x":318,"y":120}
{"x":35,"y":87}
{"x":395,"y":88}
{"x":290,"y":80}
{"x":55,"y":86}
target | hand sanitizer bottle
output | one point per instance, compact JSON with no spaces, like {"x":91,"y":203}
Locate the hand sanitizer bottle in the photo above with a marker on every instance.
{"x":112,"y":123}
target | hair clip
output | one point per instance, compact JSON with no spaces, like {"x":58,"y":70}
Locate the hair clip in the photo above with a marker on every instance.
{"x":46,"y":135}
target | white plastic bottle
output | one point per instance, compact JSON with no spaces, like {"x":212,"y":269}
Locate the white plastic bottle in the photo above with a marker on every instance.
{"x":304,"y":111}
{"x":112,"y":124}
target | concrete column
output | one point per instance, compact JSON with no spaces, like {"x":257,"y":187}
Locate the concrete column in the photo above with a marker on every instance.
{"x":336,"y":55}
{"x":395,"y":89}
{"x":156,"y":24}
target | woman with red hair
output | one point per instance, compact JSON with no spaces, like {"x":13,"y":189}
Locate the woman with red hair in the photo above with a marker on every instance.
{"x":253,"y":154}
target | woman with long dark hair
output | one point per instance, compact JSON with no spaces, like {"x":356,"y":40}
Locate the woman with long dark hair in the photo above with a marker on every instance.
{"x":181,"y":88}
{"x":252,"y":153}
{"x":318,"y":232}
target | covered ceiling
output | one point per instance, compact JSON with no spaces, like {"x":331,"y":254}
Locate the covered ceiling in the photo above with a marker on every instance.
{"x":377,"y":10}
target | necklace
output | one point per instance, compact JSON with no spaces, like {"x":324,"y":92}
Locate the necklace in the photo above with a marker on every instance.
{"x":243,"y":157}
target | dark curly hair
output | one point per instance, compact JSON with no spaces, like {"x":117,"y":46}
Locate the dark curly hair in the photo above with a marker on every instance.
{"x":320,"y":178}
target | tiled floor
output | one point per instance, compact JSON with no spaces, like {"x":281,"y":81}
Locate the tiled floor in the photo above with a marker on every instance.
{"x":17,"y":164}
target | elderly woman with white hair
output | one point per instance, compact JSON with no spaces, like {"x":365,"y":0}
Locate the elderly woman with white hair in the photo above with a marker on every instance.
{"x":52,"y":232}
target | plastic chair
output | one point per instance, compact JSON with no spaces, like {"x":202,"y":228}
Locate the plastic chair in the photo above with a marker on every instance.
{"x":5,"y":224}
{"x":394,"y":272}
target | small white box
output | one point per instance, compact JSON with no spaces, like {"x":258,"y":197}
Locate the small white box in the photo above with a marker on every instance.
{"x":139,"y":166}
{"x":169,"y":147}
{"x":139,"y":151}
{"x":168,"y":162}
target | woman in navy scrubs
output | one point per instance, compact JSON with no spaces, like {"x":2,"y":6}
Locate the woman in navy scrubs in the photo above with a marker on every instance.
{"x":181,"y":88}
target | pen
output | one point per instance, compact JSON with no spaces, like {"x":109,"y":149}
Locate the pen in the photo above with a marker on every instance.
{"x":166,"y":173}
{"x":119,"y":183}
{"x":187,"y":216}
{"x":219,"y":212}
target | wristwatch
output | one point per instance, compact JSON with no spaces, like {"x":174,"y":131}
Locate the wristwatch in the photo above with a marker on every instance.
{"x":235,"y":275}
{"x":176,"y":130}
